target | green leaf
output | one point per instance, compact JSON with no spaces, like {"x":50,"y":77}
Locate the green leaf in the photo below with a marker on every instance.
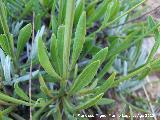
{"x":13,"y":100}
{"x":101,"y":55}
{"x":27,"y":9}
{"x":20,"y":92}
{"x":94,"y":84}
{"x":8,"y":110}
{"x":152,"y":24}
{"x":3,"y":18}
{"x":58,"y":114}
{"x":38,"y":113}
{"x":54,"y":22}
{"x":63,"y":10}
{"x":60,"y":45}
{"x":54,"y":53}
{"x":44,"y":2}
{"x":24,"y":35}
{"x":60,"y":40}
{"x":70,"y":116}
{"x":111,"y":12}
{"x":100,"y":11}
{"x":106,"y":68}
{"x":44,"y":60}
{"x":137,"y":71}
{"x":60,"y":12}
{"x":4,"y":44}
{"x":79,"y":39}
{"x":131,"y":112}
{"x":106,"y":85}
{"x":90,"y":102}
{"x":125,"y":44}
{"x":68,"y":105}
{"x":38,"y":22}
{"x":105,"y":101}
{"x":107,"y":14}
{"x":115,"y":9}
{"x":67,"y":36}
{"x":75,"y":72}
{"x":120,"y":16}
{"x":78,"y":11}
{"x":43,"y":86}
{"x":2,"y":117}
{"x":85,"y":77}
{"x":91,"y":7}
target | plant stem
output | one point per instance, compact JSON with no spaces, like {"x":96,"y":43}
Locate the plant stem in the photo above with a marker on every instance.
{"x":30,"y":75}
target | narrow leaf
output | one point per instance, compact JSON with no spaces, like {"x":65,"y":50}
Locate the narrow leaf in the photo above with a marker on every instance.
{"x":3,"y":20}
{"x":106,"y":85}
{"x":79,"y":38}
{"x":100,"y":11}
{"x":4,"y":44}
{"x":34,"y":51}
{"x":60,"y":46}
{"x":7,"y":69}
{"x":85,"y":77}
{"x":27,"y":9}
{"x":54,"y":21}
{"x":111,"y":12}
{"x":54,"y":53}
{"x":105,"y":101}
{"x":68,"y":105}
{"x":91,"y":7}
{"x":78,"y":11}
{"x":120,"y":16}
{"x":13,"y":100}
{"x":106,"y":68}
{"x":44,"y":60}
{"x":152,"y":24}
{"x":43,"y":86}
{"x":60,"y":12}
{"x":67,"y":36}
{"x":24,"y":35}
{"x":2,"y":57}
{"x":131,"y":112}
{"x":20,"y":92}
{"x":137,"y":71}
{"x":101,"y":55}
{"x":90,"y":102}
{"x":75,"y":71}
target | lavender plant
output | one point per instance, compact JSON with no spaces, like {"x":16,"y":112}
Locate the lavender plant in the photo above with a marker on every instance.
{"x":70,"y":63}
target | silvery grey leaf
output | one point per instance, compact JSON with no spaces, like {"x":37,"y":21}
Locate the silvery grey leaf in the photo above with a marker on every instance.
{"x":22,"y":78}
{"x":7,"y":68}
{"x":125,"y":69}
{"x":34,"y":51}
{"x":16,"y":27}
{"x":142,"y":58}
{"x":131,"y":52}
{"x":2,"y":57}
